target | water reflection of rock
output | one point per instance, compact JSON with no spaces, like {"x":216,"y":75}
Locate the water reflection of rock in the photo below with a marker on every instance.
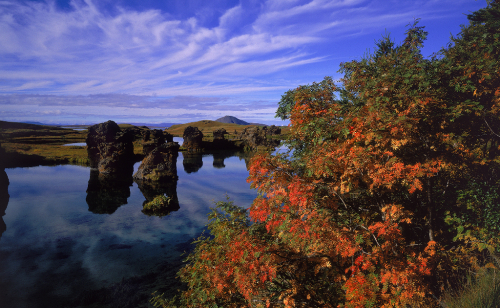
{"x":106,"y":193}
{"x":219,"y":158}
{"x":192,"y":161}
{"x":4,"y":198}
{"x":4,"y":191}
{"x":153,"y":189}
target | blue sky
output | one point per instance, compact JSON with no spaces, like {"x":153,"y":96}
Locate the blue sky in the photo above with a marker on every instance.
{"x":152,"y":61}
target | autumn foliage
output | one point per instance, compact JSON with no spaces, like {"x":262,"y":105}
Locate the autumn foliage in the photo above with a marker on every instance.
{"x":388,"y":195}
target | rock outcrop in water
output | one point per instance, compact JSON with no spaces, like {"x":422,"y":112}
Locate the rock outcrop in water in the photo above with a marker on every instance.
{"x":157,"y":174}
{"x":109,"y":148}
{"x":151,"y":139}
{"x":160,"y":163}
{"x":273,"y":130}
{"x":219,"y":134}
{"x":193,"y":139}
{"x":254,"y":137}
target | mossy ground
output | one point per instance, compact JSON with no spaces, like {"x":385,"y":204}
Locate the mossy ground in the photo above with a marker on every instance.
{"x":30,"y":145}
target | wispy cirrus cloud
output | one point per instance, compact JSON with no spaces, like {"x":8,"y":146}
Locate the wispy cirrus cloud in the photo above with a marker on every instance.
{"x":234,"y":51}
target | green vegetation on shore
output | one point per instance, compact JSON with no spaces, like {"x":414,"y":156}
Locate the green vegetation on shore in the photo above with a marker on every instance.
{"x":207,"y":127}
{"x":32,"y":144}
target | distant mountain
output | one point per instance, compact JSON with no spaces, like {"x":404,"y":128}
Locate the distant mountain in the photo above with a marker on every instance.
{"x":231,"y":120}
{"x":36,"y":123}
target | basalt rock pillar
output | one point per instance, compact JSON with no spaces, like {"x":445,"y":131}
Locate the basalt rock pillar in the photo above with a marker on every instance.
{"x":109,"y":148}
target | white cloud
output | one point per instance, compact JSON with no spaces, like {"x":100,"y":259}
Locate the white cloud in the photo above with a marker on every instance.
{"x":256,"y":48}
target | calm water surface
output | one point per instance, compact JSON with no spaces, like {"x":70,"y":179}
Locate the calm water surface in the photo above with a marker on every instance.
{"x":58,"y":251}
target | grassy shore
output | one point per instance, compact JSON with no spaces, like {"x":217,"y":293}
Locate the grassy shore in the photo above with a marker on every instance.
{"x":31,"y":145}
{"x":207,"y":127}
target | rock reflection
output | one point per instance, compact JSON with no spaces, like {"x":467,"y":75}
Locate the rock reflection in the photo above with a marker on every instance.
{"x":192,"y":162}
{"x":4,"y":199}
{"x":106,"y":193}
{"x":161,"y":197}
{"x":219,"y":158}
{"x":4,"y":191}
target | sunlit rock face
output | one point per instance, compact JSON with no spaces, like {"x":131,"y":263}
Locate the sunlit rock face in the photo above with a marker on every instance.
{"x":193,"y":139}
{"x":109,"y":148}
{"x":253,"y":137}
{"x":159,"y":164}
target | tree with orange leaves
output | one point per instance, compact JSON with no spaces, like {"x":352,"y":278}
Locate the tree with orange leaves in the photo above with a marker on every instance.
{"x":388,"y":192}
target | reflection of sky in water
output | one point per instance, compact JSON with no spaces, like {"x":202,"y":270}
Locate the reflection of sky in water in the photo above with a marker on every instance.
{"x":53,"y":240}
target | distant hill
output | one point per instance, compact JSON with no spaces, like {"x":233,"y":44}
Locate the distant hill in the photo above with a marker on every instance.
{"x":206,"y":126}
{"x":36,"y":123}
{"x":231,"y":120}
{"x":22,"y":125}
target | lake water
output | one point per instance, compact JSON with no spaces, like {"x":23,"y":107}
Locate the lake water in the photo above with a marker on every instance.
{"x":58,"y":250}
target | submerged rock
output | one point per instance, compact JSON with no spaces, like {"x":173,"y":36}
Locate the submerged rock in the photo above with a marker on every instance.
{"x":109,"y":148}
{"x":161,"y":197}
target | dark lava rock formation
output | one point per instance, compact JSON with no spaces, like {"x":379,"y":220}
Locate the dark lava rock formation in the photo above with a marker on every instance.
{"x":273,"y":130}
{"x":151,"y":139}
{"x":157,"y":174}
{"x":159,"y":164}
{"x":109,"y":148}
{"x":254,"y":137}
{"x":193,"y":139}
{"x":219,"y":134}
